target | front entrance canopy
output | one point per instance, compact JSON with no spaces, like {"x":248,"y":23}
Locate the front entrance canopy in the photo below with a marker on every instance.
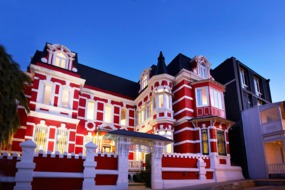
{"x":138,"y":137}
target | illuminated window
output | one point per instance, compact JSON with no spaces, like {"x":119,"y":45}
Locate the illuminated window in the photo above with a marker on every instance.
{"x":123,"y":117}
{"x":202,"y":71}
{"x":202,"y":97}
{"x":60,"y":60}
{"x":47,"y":94}
{"x":205,"y":145}
{"x":62,"y":140}
{"x":65,"y":98}
{"x":160,"y":101}
{"x":168,"y":134}
{"x":221,"y":143}
{"x":90,"y":110}
{"x":216,"y":98}
{"x":88,"y":138}
{"x":40,"y":137}
{"x":108,"y":114}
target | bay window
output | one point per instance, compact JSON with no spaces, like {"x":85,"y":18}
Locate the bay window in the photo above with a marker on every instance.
{"x":168,"y":134}
{"x":202,"y":97}
{"x":216,"y":98}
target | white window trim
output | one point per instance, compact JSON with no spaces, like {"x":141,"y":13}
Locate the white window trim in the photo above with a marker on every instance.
{"x":86,"y":110}
{"x":196,"y":96}
{"x":214,"y":103}
{"x":203,"y":67}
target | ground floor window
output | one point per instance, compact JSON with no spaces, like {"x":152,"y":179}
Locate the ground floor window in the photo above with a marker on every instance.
{"x":205,"y":145}
{"x":62,"y":140}
{"x":40,"y":137}
{"x":221,"y":143}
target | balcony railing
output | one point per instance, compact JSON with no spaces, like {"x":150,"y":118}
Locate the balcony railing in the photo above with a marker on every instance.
{"x":135,"y":165}
{"x":276,"y":168}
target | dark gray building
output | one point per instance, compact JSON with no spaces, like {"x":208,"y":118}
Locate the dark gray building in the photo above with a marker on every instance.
{"x":244,"y":89}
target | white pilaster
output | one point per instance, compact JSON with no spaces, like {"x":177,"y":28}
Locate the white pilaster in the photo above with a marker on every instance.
{"x":89,"y":172}
{"x":156,"y":171}
{"x":123,"y":159}
{"x":26,"y":166}
{"x":202,"y":171}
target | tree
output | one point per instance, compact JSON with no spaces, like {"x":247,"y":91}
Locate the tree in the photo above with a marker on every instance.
{"x":12,"y":86}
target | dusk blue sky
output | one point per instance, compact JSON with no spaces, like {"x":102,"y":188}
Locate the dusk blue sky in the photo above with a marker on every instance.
{"x":124,"y":37}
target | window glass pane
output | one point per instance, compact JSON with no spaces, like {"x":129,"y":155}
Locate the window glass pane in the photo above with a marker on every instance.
{"x":167,"y":101}
{"x":160,"y":100}
{"x":60,"y":60}
{"x":65,"y":97}
{"x":123,"y":117}
{"x":202,"y":97}
{"x":90,"y":110}
{"x":47,"y":94}
{"x":270,"y":115}
{"x":108,"y":114}
{"x":221,"y":143}
{"x":205,"y":146}
{"x":62,"y":139}
{"x":41,"y":134}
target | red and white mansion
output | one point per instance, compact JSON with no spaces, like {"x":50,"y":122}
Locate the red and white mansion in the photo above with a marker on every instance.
{"x":72,"y":104}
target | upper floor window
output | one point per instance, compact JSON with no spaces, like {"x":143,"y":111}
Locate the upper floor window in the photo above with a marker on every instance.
{"x":216,"y":98}
{"x":47,"y":94}
{"x":144,"y":78}
{"x":108,"y":114}
{"x":90,"y":110}
{"x":123,"y":120}
{"x":164,"y":99}
{"x":66,"y":95}
{"x":257,"y":86}
{"x":202,"y":97}
{"x":144,"y":82}
{"x":205,"y":145}
{"x":221,"y":143}
{"x":60,"y":60}
{"x":243,"y":78}
{"x":202,"y":70}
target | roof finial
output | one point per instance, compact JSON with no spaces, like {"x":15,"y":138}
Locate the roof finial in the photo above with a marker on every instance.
{"x":161,"y":67}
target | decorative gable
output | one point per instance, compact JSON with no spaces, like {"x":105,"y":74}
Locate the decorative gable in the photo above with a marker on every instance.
{"x":60,"y":56}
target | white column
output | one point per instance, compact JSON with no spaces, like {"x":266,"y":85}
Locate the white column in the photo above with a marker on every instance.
{"x":202,"y":171}
{"x":156,"y":171}
{"x":123,"y":162}
{"x":26,"y":166}
{"x":89,"y":172}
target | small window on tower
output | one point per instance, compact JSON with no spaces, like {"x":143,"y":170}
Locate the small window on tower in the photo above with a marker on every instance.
{"x":202,"y":71}
{"x":144,"y":82}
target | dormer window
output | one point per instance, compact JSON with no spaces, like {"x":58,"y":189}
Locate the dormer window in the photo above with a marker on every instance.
{"x":144,"y":79}
{"x":60,"y":56}
{"x":202,"y":70}
{"x":61,"y":60}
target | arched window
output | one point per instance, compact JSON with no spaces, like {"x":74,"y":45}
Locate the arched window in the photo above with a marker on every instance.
{"x":62,"y":139}
{"x":40,"y":136}
{"x":61,"y":60}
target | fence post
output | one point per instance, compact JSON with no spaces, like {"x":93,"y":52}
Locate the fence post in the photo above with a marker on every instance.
{"x":26,"y":166}
{"x":123,"y":162}
{"x":202,"y":171}
{"x":156,"y":168}
{"x":89,"y":172}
